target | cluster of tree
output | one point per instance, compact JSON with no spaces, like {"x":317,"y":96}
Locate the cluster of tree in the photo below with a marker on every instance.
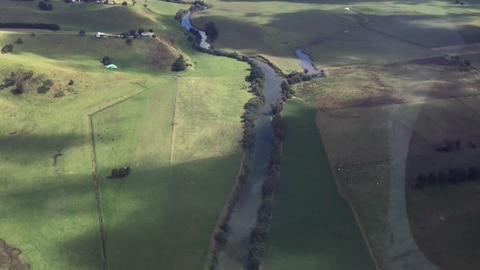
{"x":106,"y":61}
{"x":221,"y":234}
{"x":132,"y":33}
{"x":47,"y":26}
{"x":7,"y":48}
{"x":454,"y":145}
{"x":453,"y":176}
{"x":462,"y":64}
{"x":180,"y":64}
{"x":180,"y":13}
{"x":17,"y":80}
{"x":46,"y":85}
{"x":43,"y":5}
{"x":287,"y":91}
{"x":248,"y":119}
{"x":256,"y":79}
{"x":211,"y":31}
{"x":258,"y":235}
{"x":119,"y":173}
{"x":296,"y":77}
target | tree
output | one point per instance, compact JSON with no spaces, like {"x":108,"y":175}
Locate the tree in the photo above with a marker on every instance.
{"x":45,"y":6}
{"x":467,"y":63}
{"x":124,"y":3}
{"x":81,"y":33}
{"x":132,"y":32}
{"x":106,"y":60}
{"x":211,"y":31}
{"x":179,"y":64}
{"x":140,"y":31}
{"x":128,"y":41}
{"x":7,"y":48}
{"x":19,"y":41}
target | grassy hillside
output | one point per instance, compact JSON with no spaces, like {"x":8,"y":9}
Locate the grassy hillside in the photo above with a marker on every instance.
{"x":47,"y":191}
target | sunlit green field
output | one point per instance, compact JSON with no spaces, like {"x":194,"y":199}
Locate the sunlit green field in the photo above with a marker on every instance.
{"x":147,"y":117}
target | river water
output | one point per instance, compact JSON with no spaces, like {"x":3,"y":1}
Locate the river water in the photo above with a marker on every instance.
{"x":187,"y":25}
{"x":306,"y":63}
{"x":244,"y":214}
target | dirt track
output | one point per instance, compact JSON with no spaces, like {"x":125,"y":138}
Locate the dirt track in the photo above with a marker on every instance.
{"x":462,"y":49}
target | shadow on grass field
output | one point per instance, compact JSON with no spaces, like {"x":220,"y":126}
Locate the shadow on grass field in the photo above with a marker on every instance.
{"x":312,"y":227}
{"x":163,"y":218}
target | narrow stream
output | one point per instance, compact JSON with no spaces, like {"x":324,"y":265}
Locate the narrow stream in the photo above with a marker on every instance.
{"x":187,"y":25}
{"x":306,"y":63}
{"x":244,"y":213}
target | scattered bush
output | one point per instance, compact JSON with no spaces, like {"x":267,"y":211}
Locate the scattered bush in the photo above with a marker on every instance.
{"x":19,"y":87}
{"x":7,"y":48}
{"x":59,"y":94}
{"x":106,"y":61}
{"x":45,"y":6}
{"x":180,"y":64}
{"x":119,"y":173}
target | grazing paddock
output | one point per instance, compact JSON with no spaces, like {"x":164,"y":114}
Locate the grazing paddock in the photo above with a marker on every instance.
{"x":312,"y":225}
{"x":359,"y":142}
{"x":154,"y":219}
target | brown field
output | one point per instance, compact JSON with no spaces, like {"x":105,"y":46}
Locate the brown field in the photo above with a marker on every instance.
{"x":376,"y":120}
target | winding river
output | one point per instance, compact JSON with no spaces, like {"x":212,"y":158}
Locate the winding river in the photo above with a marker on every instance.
{"x":187,"y":25}
{"x":244,"y":213}
{"x":306,"y":63}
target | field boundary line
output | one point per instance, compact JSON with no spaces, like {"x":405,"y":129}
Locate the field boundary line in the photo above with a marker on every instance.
{"x":97,"y":195}
{"x":225,"y":210}
{"x":172,"y":137}
{"x":346,"y":198}
{"x":95,"y":178}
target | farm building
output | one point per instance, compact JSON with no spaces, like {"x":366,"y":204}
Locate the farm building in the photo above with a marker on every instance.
{"x":148,"y":34}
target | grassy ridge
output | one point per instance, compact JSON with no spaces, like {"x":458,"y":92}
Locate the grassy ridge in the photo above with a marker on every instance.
{"x":312,"y":226}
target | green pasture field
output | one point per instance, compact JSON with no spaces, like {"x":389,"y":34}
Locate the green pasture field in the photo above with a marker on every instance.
{"x":163,"y":218}
{"x":312,"y":226}
{"x":383,"y":32}
{"x":71,"y":17}
{"x":49,"y":211}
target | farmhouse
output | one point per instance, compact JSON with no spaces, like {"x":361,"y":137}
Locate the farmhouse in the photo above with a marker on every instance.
{"x":100,"y":35}
{"x":148,"y":34}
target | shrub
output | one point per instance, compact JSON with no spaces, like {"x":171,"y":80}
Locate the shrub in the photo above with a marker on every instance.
{"x":59,"y":94}
{"x":7,"y":48}
{"x":18,"y":88}
{"x":180,"y":64}
{"x":119,"y":173}
{"x":106,"y":60}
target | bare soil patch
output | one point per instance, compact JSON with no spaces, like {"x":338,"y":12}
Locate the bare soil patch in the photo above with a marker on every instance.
{"x":10,"y":258}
